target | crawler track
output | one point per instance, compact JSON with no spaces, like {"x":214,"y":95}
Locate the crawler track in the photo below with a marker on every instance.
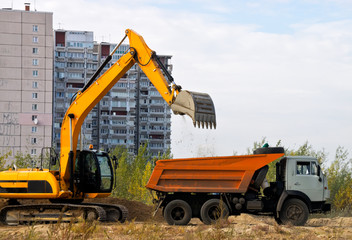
{"x":51,"y":213}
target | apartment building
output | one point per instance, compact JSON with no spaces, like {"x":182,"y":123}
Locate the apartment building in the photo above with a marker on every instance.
{"x":132,"y":113}
{"x":75,"y":61}
{"x":26,"y":65}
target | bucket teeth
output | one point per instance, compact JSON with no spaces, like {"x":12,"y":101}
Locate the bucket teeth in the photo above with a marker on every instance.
{"x":199,"y":106}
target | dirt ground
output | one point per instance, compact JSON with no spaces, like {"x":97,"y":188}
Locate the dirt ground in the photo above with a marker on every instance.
{"x":140,"y":225}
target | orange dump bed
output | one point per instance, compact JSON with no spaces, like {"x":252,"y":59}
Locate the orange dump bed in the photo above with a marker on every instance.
{"x":230,"y":174}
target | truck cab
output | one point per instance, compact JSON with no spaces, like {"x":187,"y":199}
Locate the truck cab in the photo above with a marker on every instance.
{"x":305,"y":189}
{"x":303,"y":178}
{"x":304,"y":174}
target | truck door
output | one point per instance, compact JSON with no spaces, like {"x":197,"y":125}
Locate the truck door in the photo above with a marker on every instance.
{"x":303,"y":176}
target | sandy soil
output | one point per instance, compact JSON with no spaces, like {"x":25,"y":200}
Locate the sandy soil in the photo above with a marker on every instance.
{"x":140,"y":225}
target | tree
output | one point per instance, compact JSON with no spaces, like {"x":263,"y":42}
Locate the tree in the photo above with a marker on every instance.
{"x":25,"y":160}
{"x":3,"y":158}
{"x":339,"y":176}
{"x":133,"y":172}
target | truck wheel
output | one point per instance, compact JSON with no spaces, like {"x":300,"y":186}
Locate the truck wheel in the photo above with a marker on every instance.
{"x":177,"y":212}
{"x":212,"y":210}
{"x":294,"y":212}
{"x":277,"y":219}
{"x":268,"y":150}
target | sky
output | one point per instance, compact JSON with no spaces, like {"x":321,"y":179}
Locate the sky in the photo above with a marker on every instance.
{"x":279,"y":69}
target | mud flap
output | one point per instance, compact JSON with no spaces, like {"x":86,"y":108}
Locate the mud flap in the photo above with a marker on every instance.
{"x":199,"y":106}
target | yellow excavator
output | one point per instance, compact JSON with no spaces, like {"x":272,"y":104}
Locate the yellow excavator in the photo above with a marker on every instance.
{"x":89,"y":173}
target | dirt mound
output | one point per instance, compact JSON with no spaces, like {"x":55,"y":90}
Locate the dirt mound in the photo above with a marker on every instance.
{"x":137,"y":211}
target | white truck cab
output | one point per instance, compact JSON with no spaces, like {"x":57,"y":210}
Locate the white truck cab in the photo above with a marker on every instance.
{"x":305,"y":188}
{"x":304,"y":174}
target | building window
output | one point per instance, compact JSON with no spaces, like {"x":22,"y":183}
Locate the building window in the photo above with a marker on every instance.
{"x":60,"y":94}
{"x":34,"y":107}
{"x":35,"y":73}
{"x":35,"y":85}
{"x":35,"y":39}
{"x":35,"y":62}
{"x":35,"y":50}
{"x":34,"y":117}
{"x":33,"y":140}
{"x":34,"y":95}
{"x":33,"y":151}
{"x":34,"y":129}
{"x":35,"y":28}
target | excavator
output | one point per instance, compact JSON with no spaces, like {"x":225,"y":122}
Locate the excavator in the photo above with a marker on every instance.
{"x":84,"y":174}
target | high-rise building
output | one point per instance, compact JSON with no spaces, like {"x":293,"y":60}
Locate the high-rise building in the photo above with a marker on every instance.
{"x":75,"y":61}
{"x":26,"y":65}
{"x":132,"y":112}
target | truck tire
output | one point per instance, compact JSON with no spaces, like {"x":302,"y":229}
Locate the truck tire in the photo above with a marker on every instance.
{"x":277,"y":219}
{"x":213,"y":210}
{"x":177,"y":212}
{"x":260,"y":176}
{"x":268,"y":150}
{"x":295,"y":212}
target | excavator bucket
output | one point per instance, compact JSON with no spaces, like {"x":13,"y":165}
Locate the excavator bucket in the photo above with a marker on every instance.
{"x":199,"y":106}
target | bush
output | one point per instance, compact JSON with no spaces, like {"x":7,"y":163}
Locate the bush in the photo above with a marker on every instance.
{"x":133,"y":172}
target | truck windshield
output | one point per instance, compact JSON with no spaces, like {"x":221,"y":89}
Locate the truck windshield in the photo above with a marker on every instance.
{"x":106,"y":173}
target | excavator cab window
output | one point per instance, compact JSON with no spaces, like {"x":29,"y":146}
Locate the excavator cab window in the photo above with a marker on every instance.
{"x":106,"y":172}
{"x":93,"y":172}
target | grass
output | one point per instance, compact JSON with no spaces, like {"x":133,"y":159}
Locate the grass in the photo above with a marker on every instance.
{"x":347,"y":212}
{"x":247,"y":227}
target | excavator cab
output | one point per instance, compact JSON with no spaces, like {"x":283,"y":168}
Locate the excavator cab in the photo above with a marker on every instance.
{"x":93,"y":172}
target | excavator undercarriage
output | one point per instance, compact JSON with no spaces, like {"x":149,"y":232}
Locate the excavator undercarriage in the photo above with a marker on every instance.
{"x":52,"y":213}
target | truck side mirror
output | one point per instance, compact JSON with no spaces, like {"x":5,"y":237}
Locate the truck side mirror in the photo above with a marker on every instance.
{"x":319,"y":170}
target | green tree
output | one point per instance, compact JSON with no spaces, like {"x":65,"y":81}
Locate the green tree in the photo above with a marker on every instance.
{"x":138,"y":166}
{"x":122,"y":170}
{"x":3,"y":158}
{"x":25,"y":160}
{"x":343,"y":198}
{"x":133,"y":172}
{"x":339,"y":176}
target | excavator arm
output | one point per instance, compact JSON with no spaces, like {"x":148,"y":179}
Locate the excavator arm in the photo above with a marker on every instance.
{"x":198,"y":106}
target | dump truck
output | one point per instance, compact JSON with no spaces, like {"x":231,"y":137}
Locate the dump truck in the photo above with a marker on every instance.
{"x":213,"y":188}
